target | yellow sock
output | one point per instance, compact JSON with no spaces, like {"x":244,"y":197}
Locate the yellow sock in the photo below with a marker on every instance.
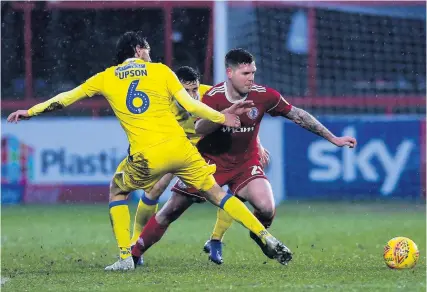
{"x":146,"y":209}
{"x":236,"y":209}
{"x":120,"y":221}
{"x":223,"y":222}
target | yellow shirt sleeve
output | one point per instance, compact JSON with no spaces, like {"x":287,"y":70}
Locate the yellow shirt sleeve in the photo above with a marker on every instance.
{"x":203,"y":88}
{"x":197,"y":108}
{"x":94,"y":85}
{"x":58,"y":102}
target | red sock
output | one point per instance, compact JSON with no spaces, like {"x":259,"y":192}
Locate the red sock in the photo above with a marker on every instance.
{"x":151,"y":234}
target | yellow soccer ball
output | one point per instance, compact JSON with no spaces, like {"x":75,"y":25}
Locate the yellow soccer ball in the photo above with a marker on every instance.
{"x":401,"y":253}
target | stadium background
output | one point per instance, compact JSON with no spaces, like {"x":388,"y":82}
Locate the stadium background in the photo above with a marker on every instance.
{"x":359,"y":68}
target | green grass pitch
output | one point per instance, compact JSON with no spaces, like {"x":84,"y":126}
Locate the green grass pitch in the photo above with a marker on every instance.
{"x":337,"y":246}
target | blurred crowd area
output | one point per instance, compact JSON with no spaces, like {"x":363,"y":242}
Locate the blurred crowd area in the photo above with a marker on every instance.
{"x":68,"y":46}
{"x":357,"y":51}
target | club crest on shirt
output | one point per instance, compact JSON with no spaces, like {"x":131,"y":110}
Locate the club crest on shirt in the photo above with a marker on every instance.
{"x":253,"y":113}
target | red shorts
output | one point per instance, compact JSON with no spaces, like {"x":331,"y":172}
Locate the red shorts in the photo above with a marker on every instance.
{"x":236,"y":179}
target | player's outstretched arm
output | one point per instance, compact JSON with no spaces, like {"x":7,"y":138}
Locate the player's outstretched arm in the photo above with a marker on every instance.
{"x":205,"y":127}
{"x":58,"y":102}
{"x":199,"y":109}
{"x":308,"y":122}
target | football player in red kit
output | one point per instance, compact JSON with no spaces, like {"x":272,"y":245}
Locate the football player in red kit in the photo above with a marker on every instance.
{"x":235,"y":153}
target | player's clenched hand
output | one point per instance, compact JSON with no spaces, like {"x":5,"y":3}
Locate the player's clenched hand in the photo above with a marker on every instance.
{"x":240,"y":107}
{"x":18,"y":116}
{"x":265,"y":157}
{"x":231,"y":120}
{"x":345,"y":141}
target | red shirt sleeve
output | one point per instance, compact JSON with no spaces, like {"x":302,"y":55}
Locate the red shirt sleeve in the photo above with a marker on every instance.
{"x":278,"y":106}
{"x":208,"y":100}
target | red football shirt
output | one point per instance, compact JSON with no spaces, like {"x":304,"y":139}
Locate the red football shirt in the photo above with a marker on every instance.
{"x":228,"y":147}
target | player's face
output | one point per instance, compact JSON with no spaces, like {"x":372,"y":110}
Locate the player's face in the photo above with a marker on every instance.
{"x":143,"y":53}
{"x":192,"y":88}
{"x":242,"y":77}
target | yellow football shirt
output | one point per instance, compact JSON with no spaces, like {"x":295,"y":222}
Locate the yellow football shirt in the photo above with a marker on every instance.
{"x":140,"y":94}
{"x":185,"y":119}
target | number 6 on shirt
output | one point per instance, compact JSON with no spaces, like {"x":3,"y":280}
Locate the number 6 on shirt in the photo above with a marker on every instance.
{"x":132,"y":94}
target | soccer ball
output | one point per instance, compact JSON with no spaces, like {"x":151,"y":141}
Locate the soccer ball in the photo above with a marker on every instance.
{"x":401,"y":253}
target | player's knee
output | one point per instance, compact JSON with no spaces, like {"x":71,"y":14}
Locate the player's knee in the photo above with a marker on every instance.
{"x":166,"y":216}
{"x":162,"y":219}
{"x":265,"y":215}
{"x":265,"y":207}
{"x":115,"y":193}
{"x":166,"y":219}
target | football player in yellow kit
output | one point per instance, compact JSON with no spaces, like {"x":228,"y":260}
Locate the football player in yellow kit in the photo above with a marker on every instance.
{"x":140,"y":94}
{"x":190,"y":79}
{"x":148,"y":204}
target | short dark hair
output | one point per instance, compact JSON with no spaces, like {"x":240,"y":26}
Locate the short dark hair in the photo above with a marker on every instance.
{"x":235,"y":57}
{"x":126,"y":45}
{"x":187,"y":74}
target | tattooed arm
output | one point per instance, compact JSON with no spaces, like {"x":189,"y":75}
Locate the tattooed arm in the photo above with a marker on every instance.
{"x":92,"y":86}
{"x":58,"y":102}
{"x":308,"y":122}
